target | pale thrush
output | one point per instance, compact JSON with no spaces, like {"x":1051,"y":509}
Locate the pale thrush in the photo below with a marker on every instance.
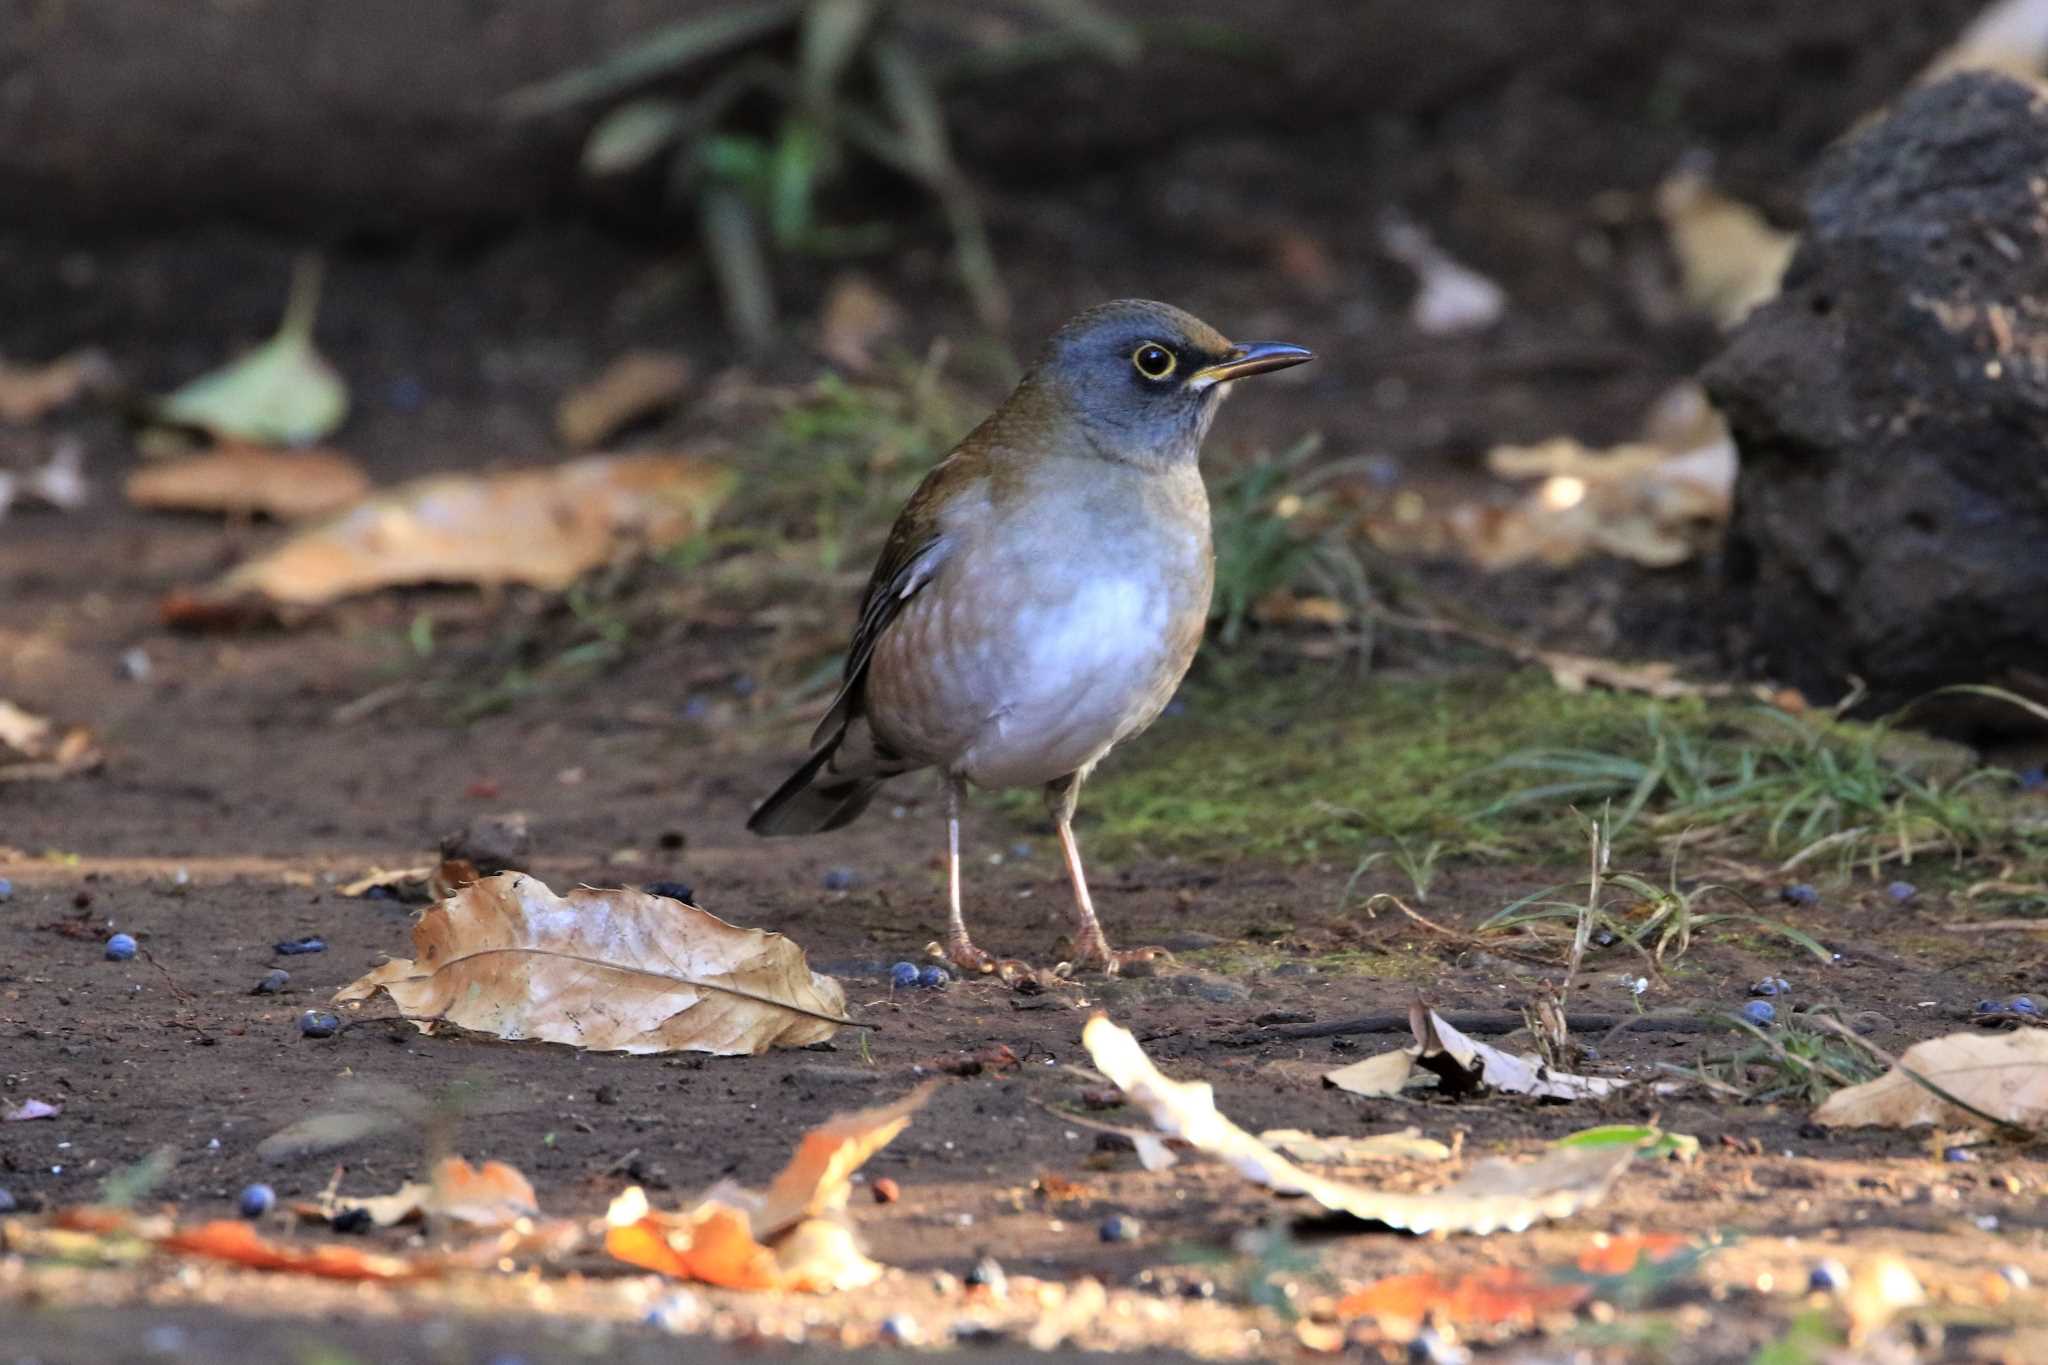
{"x":1041,"y":595}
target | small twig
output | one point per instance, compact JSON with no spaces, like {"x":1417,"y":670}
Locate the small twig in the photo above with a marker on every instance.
{"x":169,"y":980}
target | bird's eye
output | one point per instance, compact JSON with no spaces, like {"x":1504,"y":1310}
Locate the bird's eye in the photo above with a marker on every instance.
{"x":1153,"y":360}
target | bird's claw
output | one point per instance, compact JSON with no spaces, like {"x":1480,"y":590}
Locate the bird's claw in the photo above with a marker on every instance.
{"x":967,"y":959}
{"x":1113,"y":961}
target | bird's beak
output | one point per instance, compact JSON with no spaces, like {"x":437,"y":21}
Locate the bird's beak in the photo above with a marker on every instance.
{"x":1250,"y":357}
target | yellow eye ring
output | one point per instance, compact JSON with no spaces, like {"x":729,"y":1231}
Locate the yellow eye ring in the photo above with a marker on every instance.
{"x":1154,"y":361}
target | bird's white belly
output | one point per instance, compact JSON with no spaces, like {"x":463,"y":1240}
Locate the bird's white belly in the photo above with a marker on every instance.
{"x":1063,"y":681}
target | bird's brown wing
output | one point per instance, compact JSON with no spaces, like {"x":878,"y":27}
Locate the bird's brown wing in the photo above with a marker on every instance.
{"x":915,"y":550}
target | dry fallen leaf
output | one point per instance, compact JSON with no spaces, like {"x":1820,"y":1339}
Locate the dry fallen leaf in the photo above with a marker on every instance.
{"x":251,"y":480}
{"x":792,"y":1236}
{"x":1500,"y":1296}
{"x":1621,"y":1255}
{"x":541,"y":527}
{"x":1492,"y":1195}
{"x":1449,"y":298}
{"x":1462,"y":1065}
{"x":43,"y":752}
{"x":29,"y":392}
{"x":283,"y":392}
{"x":57,"y":482}
{"x":2009,"y":36}
{"x":487,"y":1197}
{"x":1407,"y":1145}
{"x":636,"y":386}
{"x":612,"y":971}
{"x":855,"y":317}
{"x":232,"y":1240}
{"x":1729,"y":258}
{"x":817,"y":1179}
{"x":2004,"y":1075}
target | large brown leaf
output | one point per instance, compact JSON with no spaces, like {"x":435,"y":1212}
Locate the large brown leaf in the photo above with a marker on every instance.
{"x":614,"y":971}
{"x":2002,"y":1075}
{"x":1491,"y":1196}
{"x":540,"y":527}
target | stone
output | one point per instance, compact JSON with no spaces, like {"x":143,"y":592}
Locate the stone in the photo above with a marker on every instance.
{"x":1891,"y":408}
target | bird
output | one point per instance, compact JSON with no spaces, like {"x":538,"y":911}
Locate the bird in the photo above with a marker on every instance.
{"x":1040,"y":596}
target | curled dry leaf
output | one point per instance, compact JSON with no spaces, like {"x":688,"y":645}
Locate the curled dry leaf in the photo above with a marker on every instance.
{"x":1492,"y":1195}
{"x":32,"y":749}
{"x":487,"y":1197}
{"x":2003,"y":1075}
{"x":1729,"y":258}
{"x":241,"y":479}
{"x":30,"y":392}
{"x":792,"y":1236}
{"x":1463,"y":1065}
{"x":613,"y":971}
{"x":633,"y":388}
{"x":1494,"y":1298}
{"x":540,"y":527}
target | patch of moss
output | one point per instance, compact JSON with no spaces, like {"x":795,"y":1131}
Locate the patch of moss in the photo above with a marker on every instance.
{"x":1323,"y":763}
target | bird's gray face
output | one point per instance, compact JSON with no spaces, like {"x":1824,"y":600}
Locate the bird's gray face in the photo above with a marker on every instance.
{"x":1144,"y":378}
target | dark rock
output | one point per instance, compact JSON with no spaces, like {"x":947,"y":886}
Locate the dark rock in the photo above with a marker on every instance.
{"x":491,"y":843}
{"x":1891,"y":406}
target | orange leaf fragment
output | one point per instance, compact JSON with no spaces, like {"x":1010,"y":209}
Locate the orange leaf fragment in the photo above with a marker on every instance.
{"x":1620,"y":1255}
{"x":1502,"y":1296}
{"x":712,"y":1243}
{"x":492,"y":1195}
{"x":232,"y":1240}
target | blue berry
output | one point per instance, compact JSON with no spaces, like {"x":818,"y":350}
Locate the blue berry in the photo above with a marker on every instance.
{"x":2033,"y":779}
{"x":319,"y":1024}
{"x":1828,"y":1277}
{"x":256,"y":1200}
{"x":1762,"y":1013}
{"x":6,"y":889}
{"x":1771,"y":985}
{"x":312,"y":943}
{"x":1990,"y":1007}
{"x":1958,"y":1154}
{"x":2023,"y":1004}
{"x":7,"y":1204}
{"x":274,"y":980}
{"x":1120,"y":1227}
{"x":675,"y":891}
{"x":933,"y":978}
{"x":1902,"y":891}
{"x":903,"y":975}
{"x":901,"y":1328}
{"x":841,"y":879}
{"x":120,"y":947}
{"x":1799,"y":893}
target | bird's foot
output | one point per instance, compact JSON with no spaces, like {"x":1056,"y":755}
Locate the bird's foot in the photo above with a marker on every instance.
{"x":967,"y":959}
{"x":971,"y":961}
{"x":1094,"y":951}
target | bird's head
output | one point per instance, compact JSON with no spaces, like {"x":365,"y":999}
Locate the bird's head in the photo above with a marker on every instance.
{"x":1143,"y":378}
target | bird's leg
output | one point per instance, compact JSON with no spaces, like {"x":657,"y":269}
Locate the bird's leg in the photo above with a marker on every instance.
{"x":960,"y":949}
{"x":1091,"y":947}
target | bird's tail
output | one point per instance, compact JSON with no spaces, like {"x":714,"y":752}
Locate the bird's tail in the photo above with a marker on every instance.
{"x":832,"y":788}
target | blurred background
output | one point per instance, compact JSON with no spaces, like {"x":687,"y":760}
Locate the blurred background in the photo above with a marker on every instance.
{"x":793,"y":248}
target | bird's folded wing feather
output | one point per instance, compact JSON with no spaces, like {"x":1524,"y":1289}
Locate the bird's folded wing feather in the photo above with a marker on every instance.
{"x":915,"y":550}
